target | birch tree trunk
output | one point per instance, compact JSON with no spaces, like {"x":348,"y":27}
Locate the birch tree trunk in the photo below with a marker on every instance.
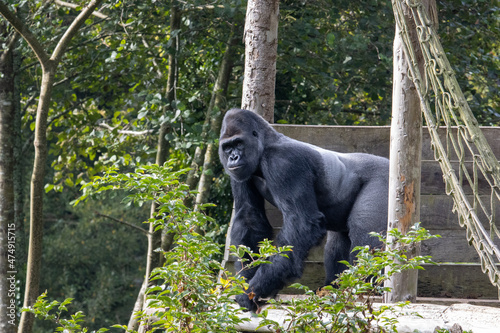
{"x":405,"y":160}
{"x":261,"y":44}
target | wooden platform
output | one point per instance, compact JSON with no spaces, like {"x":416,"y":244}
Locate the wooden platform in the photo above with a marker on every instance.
{"x":458,"y":274}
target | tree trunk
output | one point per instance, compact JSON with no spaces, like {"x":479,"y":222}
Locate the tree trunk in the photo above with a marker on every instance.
{"x":173,"y":67}
{"x":159,"y":239}
{"x":8,"y":320}
{"x":261,"y":43}
{"x":21,"y":162}
{"x":405,"y":161}
{"x":49,"y":67}
{"x":37,"y":192}
{"x":215,"y":115}
{"x":192,"y":176}
{"x":218,"y":94}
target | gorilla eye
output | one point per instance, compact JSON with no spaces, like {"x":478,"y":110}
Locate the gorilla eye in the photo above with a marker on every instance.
{"x":255,"y":133}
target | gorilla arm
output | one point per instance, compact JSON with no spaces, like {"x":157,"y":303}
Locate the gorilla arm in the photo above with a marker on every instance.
{"x":303,"y":223}
{"x":250,"y":224}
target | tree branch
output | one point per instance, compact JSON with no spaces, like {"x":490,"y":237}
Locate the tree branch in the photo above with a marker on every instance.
{"x":72,"y":30}
{"x":25,"y":32}
{"x":145,"y":132}
{"x":95,"y":13}
{"x":75,"y":6}
{"x":122,"y":222}
{"x":203,"y":7}
{"x":9,"y":47}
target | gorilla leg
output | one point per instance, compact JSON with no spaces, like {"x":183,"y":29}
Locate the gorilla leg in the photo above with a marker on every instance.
{"x":368,"y":214}
{"x":337,"y":248}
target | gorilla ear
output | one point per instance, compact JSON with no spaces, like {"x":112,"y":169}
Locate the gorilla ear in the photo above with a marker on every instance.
{"x":254,"y":133}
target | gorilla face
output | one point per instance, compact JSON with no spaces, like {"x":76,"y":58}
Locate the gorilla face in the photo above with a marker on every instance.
{"x":239,"y":150}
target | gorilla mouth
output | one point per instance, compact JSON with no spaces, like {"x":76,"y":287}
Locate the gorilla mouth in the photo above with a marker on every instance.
{"x":235,"y":167}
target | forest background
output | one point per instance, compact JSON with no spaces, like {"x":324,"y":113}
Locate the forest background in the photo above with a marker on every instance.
{"x":140,"y":70}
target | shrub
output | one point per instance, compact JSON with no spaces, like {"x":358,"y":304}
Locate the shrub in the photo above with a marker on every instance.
{"x":193,"y":292}
{"x":349,"y":306}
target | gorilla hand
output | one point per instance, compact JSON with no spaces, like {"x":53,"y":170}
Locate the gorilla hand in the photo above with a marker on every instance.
{"x":247,"y":301}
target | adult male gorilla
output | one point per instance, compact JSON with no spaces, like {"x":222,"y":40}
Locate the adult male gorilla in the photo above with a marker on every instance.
{"x":318,"y":191}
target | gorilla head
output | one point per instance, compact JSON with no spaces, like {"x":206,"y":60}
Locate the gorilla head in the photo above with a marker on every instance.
{"x":242,"y":143}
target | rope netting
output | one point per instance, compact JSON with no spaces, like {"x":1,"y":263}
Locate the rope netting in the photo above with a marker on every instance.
{"x":465,"y":157}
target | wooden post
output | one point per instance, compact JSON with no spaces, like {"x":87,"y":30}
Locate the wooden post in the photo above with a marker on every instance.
{"x":405,"y":157}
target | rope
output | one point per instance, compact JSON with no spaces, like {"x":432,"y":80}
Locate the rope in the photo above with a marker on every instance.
{"x":438,"y":87}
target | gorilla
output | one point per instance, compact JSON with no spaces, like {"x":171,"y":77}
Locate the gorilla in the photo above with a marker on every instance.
{"x":319,"y":192}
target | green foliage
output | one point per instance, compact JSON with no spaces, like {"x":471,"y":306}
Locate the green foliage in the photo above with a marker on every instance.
{"x":191,"y":297}
{"x":333,"y":67}
{"x":193,"y":291}
{"x":349,"y":306}
{"x":42,"y":309}
{"x":469,"y":31}
{"x":250,"y":259}
{"x":188,"y":296}
{"x":334,"y":63}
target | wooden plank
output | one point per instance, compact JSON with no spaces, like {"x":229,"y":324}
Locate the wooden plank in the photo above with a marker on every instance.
{"x":433,"y":183}
{"x":491,"y":134}
{"x":458,"y":281}
{"x":452,"y":247}
{"x":344,"y":139}
{"x":444,"y":280}
{"x":369,"y":139}
{"x":436,"y":213}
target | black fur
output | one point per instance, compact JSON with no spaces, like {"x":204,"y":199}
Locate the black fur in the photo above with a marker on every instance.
{"x":319,"y":192}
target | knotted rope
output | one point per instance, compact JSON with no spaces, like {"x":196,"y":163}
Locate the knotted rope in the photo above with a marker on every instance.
{"x":444,"y":106}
